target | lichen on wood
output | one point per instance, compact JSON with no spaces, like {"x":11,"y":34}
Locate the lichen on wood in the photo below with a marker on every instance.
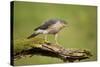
{"x":38,"y":46}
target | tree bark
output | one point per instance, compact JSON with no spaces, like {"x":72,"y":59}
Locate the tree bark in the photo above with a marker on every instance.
{"x":37,"y":46}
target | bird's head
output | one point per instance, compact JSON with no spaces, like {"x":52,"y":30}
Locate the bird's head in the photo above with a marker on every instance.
{"x":64,"y":23}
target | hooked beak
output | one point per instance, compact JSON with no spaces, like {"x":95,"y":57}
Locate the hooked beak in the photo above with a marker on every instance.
{"x":65,"y":25}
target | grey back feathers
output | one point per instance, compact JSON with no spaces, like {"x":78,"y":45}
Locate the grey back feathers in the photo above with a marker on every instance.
{"x":48,"y":23}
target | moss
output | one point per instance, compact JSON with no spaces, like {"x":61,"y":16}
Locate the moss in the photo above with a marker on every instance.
{"x":25,"y":44}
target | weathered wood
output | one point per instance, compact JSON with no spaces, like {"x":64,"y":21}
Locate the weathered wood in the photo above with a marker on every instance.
{"x":51,"y":50}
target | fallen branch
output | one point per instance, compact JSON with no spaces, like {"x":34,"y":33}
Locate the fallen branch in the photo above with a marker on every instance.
{"x":37,"y":46}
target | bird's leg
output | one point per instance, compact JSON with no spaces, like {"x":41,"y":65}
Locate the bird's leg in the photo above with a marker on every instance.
{"x":46,"y":38}
{"x":56,"y":36}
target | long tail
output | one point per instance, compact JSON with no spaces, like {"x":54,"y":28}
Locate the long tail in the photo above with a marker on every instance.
{"x":33,"y":35}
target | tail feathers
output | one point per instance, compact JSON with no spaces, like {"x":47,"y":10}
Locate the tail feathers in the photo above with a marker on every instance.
{"x":33,"y":35}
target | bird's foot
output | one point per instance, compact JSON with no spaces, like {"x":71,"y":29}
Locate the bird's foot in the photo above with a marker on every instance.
{"x":46,"y":41}
{"x":57,"y":43}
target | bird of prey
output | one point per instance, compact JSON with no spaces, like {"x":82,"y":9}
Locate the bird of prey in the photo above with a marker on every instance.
{"x":52,"y":26}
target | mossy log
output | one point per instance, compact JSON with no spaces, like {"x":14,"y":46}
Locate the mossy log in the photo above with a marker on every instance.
{"x":38,"y":46}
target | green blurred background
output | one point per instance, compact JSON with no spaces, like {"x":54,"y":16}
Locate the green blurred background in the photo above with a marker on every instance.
{"x":80,"y":33}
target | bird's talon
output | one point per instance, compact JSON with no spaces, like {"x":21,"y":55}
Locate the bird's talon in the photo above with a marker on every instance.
{"x":47,"y":41}
{"x":57,"y":43}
